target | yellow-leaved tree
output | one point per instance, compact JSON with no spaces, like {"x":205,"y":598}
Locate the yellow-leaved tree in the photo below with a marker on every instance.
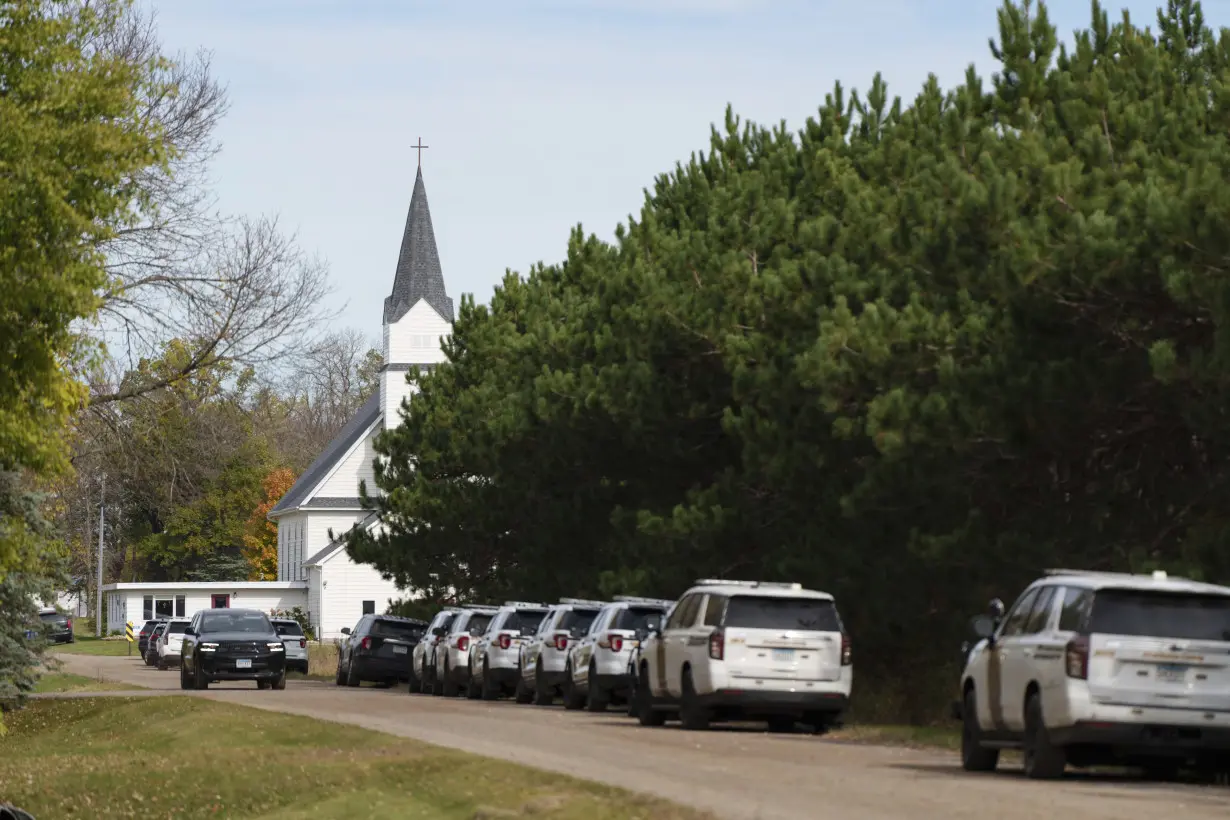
{"x":260,"y":538}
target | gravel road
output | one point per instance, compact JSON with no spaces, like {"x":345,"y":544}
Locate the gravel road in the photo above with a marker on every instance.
{"x":736,"y":774}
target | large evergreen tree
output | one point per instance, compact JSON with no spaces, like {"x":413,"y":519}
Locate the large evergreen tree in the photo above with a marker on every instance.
{"x":912,"y":354}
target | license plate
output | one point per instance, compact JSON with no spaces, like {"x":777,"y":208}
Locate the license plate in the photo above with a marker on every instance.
{"x":399,"y":650}
{"x":783,"y":655}
{"x":1172,"y":673}
{"x":243,"y":663}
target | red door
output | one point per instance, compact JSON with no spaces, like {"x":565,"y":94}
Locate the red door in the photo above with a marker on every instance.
{"x":220,"y":601}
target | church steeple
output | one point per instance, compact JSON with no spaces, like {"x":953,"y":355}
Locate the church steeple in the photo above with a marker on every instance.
{"x":418,"y":265}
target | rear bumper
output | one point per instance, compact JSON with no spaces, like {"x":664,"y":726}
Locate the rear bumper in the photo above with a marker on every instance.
{"x":609,"y":682}
{"x":506,"y":675}
{"x":1139,"y":738}
{"x":769,"y":703}
{"x":297,"y":665}
{"x":379,"y":668}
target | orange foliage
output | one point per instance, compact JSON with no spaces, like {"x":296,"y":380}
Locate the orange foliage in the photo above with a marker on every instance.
{"x":260,"y":538}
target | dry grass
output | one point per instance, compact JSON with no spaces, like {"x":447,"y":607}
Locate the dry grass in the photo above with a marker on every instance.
{"x":67,"y":758}
{"x":322,"y":659}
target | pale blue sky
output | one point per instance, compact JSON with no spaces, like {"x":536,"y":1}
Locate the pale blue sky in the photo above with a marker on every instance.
{"x":539,"y":114}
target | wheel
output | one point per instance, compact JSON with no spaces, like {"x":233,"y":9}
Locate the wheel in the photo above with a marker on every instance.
{"x":692,"y":715}
{"x":352,"y":674}
{"x":449,"y":687}
{"x":821,"y":723}
{"x":488,"y":688}
{"x":416,"y":683}
{"x":279,"y":682}
{"x":645,"y":713}
{"x":596,"y":698}
{"x":262,"y":684}
{"x":1043,"y":759}
{"x":199,"y":681}
{"x":184,"y":683}
{"x":543,"y":696}
{"x":781,"y":724}
{"x":522,"y":694}
{"x":340,"y":679}
{"x":573,"y":699}
{"x":974,"y":756}
{"x":473,"y":692}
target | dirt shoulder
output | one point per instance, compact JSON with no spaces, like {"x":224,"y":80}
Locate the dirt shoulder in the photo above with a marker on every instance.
{"x":735,"y":773}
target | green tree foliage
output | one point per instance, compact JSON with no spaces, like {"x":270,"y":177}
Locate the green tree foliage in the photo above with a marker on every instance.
{"x":72,"y":139}
{"x":913,"y":354}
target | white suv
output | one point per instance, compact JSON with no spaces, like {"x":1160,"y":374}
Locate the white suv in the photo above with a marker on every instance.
{"x":170,"y":642}
{"x":423,"y":657}
{"x":747,"y":650}
{"x":453,"y":652}
{"x":543,"y":657}
{"x":1099,"y":668}
{"x":495,"y":655}
{"x":597,"y":667}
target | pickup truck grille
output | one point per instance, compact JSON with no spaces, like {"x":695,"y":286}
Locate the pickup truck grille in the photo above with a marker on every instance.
{"x":242,"y":649}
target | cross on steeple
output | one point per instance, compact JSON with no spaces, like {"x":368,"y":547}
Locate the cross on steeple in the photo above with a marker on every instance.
{"x":420,"y":148}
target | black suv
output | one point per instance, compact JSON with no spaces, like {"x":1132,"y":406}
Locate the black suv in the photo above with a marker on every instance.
{"x":232,"y":644}
{"x":144,"y":633}
{"x":57,"y":627}
{"x":379,"y":648}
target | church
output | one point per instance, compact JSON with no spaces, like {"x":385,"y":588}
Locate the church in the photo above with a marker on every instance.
{"x":314,"y":570}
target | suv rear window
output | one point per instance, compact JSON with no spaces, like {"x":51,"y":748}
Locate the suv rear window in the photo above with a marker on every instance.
{"x":52,"y":617}
{"x":805,"y":614}
{"x":177,"y":627}
{"x":479,"y":621}
{"x":577,"y":619}
{"x":635,"y":617}
{"x":525,"y":620}
{"x":1144,"y":613}
{"x":288,"y":628}
{"x":396,"y":629}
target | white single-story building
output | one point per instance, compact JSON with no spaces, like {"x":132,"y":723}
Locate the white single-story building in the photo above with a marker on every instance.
{"x":139,"y":602}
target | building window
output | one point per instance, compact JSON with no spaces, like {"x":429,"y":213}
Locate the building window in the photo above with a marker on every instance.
{"x":420,"y":342}
{"x":147,"y":607}
{"x":369,"y":607}
{"x":181,"y":605}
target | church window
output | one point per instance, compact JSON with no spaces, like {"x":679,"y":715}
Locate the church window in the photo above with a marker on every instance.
{"x":422,"y":342}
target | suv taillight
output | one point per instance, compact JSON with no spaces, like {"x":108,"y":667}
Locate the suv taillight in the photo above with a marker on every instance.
{"x":561,"y":642}
{"x":847,"y":656}
{"x":366,"y":643}
{"x":617,"y":643}
{"x":69,"y":624}
{"x":1076,"y":658}
{"x":303,"y":643}
{"x":504,"y":641}
{"x":463,"y":642}
{"x":717,"y":645}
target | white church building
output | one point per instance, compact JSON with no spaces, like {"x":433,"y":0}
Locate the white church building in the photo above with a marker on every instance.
{"x":314,"y":570}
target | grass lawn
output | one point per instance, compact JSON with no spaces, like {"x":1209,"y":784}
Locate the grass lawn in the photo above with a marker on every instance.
{"x":68,"y":682}
{"x":93,"y":646}
{"x":76,"y":758}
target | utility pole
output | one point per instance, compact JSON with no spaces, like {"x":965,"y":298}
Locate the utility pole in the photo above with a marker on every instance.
{"x":102,"y":508}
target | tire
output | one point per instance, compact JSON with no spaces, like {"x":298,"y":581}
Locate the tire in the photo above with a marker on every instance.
{"x":416,"y":683}
{"x":278,"y":683}
{"x":522,"y":694}
{"x":340,"y":679}
{"x":184,"y":683}
{"x":692,"y":716}
{"x":543,"y":696}
{"x":1043,"y":759}
{"x":448,"y":687}
{"x":262,"y":684}
{"x":974,"y":756}
{"x":596,"y":698}
{"x":645,"y":713}
{"x":473,"y":692}
{"x":198,"y":678}
{"x":488,"y":689}
{"x":573,"y":699}
{"x":352,"y":675}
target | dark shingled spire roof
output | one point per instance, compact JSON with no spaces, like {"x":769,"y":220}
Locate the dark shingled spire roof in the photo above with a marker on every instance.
{"x":418,"y":265}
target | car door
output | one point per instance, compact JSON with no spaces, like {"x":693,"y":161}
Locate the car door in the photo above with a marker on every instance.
{"x":534,"y":649}
{"x":187,"y":657}
{"x":658,"y":678}
{"x":482,"y":644}
{"x":677,"y":644}
{"x":1028,"y":657}
{"x":1003,"y":655}
{"x":585,"y":647}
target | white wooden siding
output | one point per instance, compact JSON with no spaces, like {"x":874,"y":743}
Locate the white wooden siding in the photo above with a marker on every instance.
{"x":344,"y":483}
{"x":320,"y":521}
{"x":314,"y":599}
{"x":417,"y":338}
{"x":346,"y":585}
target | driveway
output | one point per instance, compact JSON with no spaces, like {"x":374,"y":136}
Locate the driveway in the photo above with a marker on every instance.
{"x":734,"y":773}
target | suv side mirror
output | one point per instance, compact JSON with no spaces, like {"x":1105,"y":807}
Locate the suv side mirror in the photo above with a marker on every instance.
{"x":995,"y":609}
{"x":345,"y":630}
{"x":983,"y":626}
{"x":439,"y":632}
{"x":189,"y":630}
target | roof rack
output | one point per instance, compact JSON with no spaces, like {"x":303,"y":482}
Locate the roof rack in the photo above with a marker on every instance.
{"x":635,"y":599}
{"x":526,"y":604}
{"x":482,"y":607}
{"x":713,"y":582}
{"x":582,"y":602}
{"x":1156,"y":575}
